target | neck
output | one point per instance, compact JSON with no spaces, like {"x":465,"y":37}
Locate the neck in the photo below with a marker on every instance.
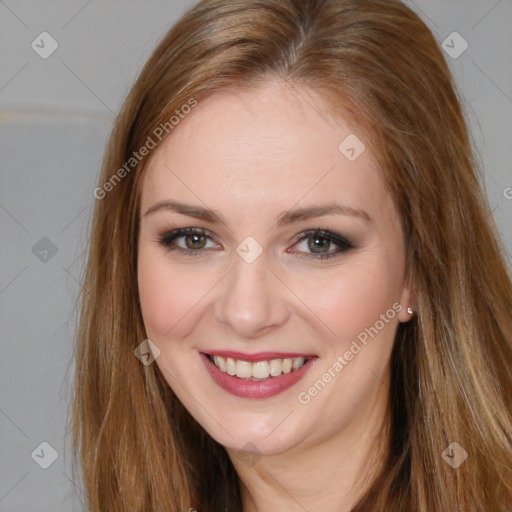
{"x":330,"y":474}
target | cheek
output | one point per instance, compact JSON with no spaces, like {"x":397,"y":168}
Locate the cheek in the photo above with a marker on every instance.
{"x":168,"y":293}
{"x":352,"y":299}
{"x":356,"y":303}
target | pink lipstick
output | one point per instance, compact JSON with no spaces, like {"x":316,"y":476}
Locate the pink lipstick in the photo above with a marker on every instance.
{"x":258,"y":388}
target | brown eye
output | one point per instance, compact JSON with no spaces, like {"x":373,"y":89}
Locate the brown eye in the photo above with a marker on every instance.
{"x":319,"y":242}
{"x":194,"y":240}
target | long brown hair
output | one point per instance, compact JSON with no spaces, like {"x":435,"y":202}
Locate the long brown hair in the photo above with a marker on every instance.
{"x":378,"y":64}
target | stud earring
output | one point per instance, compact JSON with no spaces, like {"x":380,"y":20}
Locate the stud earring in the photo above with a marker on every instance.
{"x":410,"y":311}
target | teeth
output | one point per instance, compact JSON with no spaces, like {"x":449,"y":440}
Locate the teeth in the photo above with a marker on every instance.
{"x":259,"y":369}
{"x":243,"y":369}
{"x":287,"y":365}
{"x":220,"y":362}
{"x":275,"y":367}
{"x":230,"y":365}
{"x":297,"y":363}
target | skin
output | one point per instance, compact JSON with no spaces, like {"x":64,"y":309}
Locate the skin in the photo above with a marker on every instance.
{"x":250,"y":155}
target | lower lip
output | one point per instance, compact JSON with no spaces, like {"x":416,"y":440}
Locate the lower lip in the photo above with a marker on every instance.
{"x":253,"y":388}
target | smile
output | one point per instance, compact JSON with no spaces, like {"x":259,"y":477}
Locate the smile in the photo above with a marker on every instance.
{"x":258,"y":370}
{"x":258,"y":375}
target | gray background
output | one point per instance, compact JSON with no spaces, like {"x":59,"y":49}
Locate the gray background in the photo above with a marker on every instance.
{"x":55,"y":116}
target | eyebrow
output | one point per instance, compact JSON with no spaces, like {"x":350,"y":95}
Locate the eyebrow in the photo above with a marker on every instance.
{"x":285,"y":218}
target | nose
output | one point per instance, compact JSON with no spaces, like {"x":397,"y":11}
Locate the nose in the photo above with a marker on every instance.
{"x":252,"y":301}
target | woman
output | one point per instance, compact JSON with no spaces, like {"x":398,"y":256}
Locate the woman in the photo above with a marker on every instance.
{"x":296,"y":298}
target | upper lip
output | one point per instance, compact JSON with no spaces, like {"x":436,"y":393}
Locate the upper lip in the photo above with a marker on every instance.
{"x":258,"y":356}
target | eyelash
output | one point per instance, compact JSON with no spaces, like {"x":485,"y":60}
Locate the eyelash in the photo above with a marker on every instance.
{"x":343,"y":243}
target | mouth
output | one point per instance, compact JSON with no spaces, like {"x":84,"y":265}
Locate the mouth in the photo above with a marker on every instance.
{"x":257,"y":370}
{"x":260,"y":375}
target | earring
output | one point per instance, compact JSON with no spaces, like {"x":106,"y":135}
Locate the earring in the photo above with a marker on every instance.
{"x":410,"y":311}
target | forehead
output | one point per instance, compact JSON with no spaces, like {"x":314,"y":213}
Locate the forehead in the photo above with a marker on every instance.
{"x":262,"y":146}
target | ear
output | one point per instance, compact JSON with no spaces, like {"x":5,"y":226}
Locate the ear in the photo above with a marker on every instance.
{"x":407,"y":301}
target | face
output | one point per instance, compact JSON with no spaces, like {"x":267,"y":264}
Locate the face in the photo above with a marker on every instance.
{"x":271,"y":270}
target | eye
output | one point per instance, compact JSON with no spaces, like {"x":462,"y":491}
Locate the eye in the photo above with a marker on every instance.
{"x":194,"y":240}
{"x":318,"y":241}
